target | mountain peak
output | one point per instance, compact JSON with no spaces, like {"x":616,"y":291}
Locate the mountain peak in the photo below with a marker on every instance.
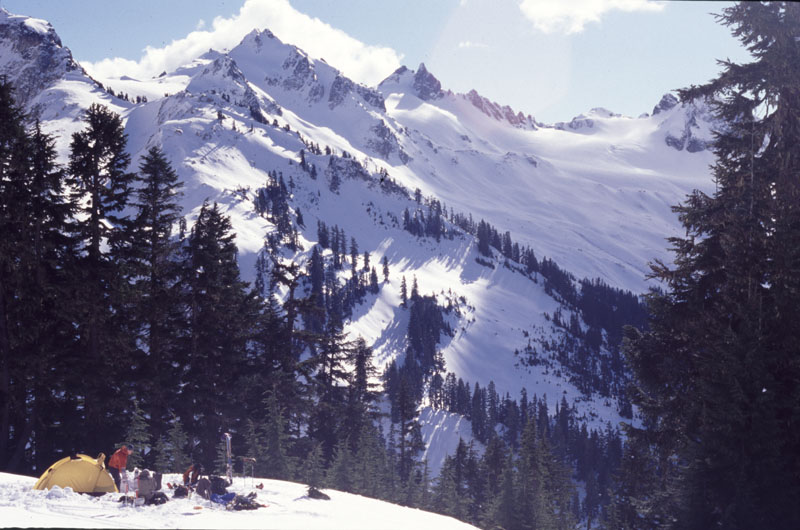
{"x":667,"y":102}
{"x":34,"y":57}
{"x":426,"y":86}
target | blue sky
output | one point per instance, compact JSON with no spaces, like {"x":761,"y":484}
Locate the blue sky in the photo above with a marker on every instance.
{"x":549,"y":58}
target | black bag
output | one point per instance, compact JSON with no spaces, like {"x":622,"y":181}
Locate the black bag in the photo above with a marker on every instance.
{"x":181,"y":491}
{"x":218,"y":485}
{"x":158,"y":497}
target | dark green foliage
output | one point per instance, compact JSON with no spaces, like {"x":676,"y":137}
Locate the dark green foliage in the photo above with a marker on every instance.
{"x":154,"y":273}
{"x":272,"y":455}
{"x":137,"y":433}
{"x":717,"y":377}
{"x":36,"y":266}
{"x":222,"y":316}
{"x":221,"y":458}
{"x":101,"y":185}
{"x":176,"y":448}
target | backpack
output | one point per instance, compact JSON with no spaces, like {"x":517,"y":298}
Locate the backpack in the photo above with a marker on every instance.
{"x":181,"y":491}
{"x":145,"y":485}
{"x":158,"y":497}
{"x":204,"y":488}
{"x":218,"y":485}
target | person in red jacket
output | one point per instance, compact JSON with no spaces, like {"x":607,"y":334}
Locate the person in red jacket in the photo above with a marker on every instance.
{"x":192,"y":475}
{"x":119,"y":462}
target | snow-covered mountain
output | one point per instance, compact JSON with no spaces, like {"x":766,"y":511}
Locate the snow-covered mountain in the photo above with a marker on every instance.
{"x":593,"y":194}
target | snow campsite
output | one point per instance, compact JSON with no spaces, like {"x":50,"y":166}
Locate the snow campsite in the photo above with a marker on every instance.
{"x":287,"y":507}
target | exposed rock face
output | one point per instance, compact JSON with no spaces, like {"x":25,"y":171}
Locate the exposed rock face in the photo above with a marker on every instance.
{"x":426,"y":86}
{"x":697,"y":118}
{"x":668,"y":101}
{"x":290,"y":69}
{"x":33,"y":57}
{"x":223,"y":78}
{"x":385,"y":143}
{"x":500,"y":113}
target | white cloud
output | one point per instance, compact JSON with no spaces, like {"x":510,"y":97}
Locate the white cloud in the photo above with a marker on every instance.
{"x":360,"y":62}
{"x":201,"y":24}
{"x":570,"y":16}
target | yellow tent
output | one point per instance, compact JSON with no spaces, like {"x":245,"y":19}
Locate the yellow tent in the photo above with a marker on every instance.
{"x":82,"y":473}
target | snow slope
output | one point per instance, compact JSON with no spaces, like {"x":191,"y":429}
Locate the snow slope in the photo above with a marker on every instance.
{"x":288,"y":508}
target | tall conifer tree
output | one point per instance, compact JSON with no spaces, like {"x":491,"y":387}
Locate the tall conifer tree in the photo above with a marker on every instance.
{"x":154,"y":270}
{"x":101,"y":184}
{"x":717,"y":376}
{"x":222,"y":317}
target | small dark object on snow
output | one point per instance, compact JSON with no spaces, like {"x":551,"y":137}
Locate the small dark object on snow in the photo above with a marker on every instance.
{"x":126,"y":499}
{"x":218,"y":485}
{"x":260,"y":486}
{"x":158,"y":497}
{"x":314,"y":493}
{"x":181,"y":491}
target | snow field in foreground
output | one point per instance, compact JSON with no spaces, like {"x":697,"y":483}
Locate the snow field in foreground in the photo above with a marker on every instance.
{"x":288,"y":508}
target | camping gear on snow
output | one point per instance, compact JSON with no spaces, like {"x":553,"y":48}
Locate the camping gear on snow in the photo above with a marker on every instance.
{"x":245,"y":461}
{"x":158,"y":497}
{"x":232,"y":501}
{"x":219,"y":485}
{"x":314,"y":493}
{"x":145,"y":485}
{"x":82,"y":473}
{"x":228,"y":451}
{"x":204,"y":488}
{"x":222,"y":499}
{"x":181,"y":491}
{"x":248,"y":502}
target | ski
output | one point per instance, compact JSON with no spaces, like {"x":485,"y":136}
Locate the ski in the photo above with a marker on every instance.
{"x":228,"y":452}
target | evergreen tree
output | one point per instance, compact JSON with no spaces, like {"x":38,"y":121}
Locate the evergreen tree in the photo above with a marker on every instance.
{"x":330,"y":373}
{"x":176,"y":447}
{"x":715,"y":376}
{"x":340,"y":474}
{"x":162,"y":457}
{"x":222,"y":319}
{"x":221,"y":458}
{"x":137,"y":434}
{"x":154,"y":263}
{"x":373,"y":281}
{"x":37,"y":269}
{"x":504,"y":509}
{"x":101,"y":185}
{"x":313,"y":470}
{"x":273,"y":459}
